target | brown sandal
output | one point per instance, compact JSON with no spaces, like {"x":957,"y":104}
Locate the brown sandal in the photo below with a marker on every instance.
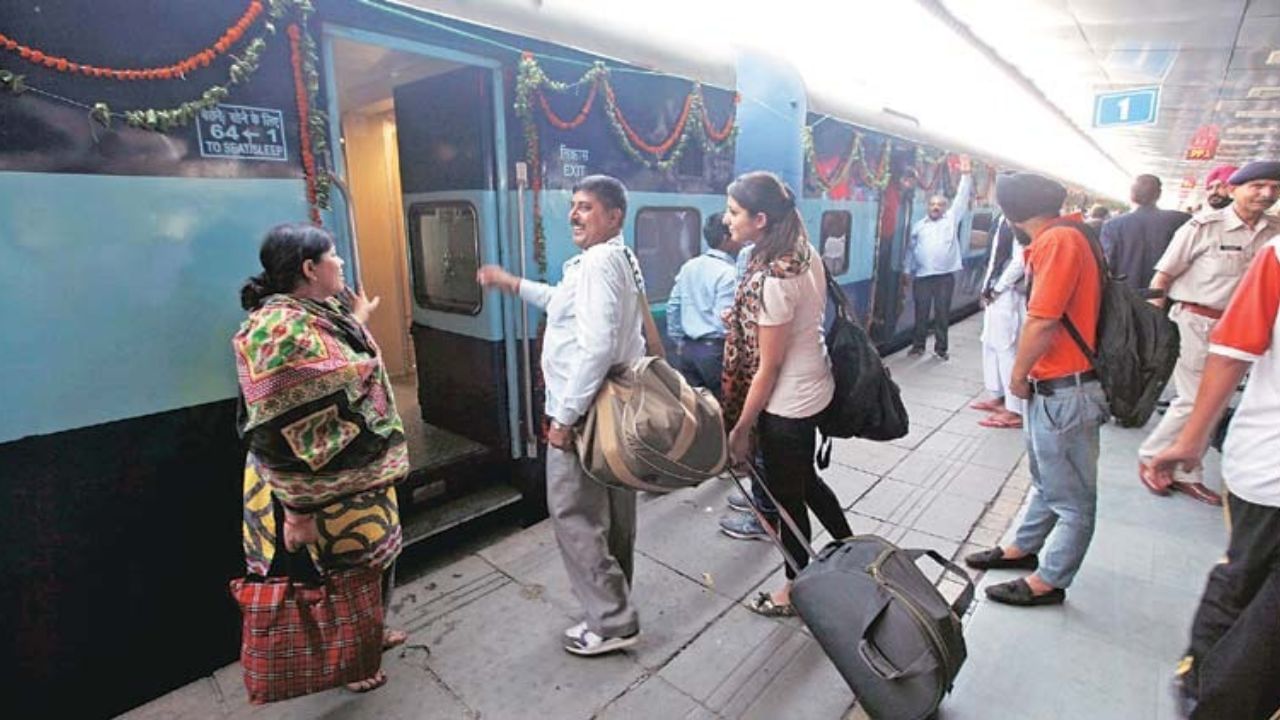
{"x":764,"y":605}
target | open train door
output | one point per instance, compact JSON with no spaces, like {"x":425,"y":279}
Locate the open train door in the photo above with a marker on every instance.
{"x":449,"y":160}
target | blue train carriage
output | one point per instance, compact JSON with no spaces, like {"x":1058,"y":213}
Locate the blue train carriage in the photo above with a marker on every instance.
{"x":136,"y":180}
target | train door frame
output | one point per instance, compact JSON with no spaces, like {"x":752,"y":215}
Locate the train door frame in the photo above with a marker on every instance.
{"x":506,"y":245}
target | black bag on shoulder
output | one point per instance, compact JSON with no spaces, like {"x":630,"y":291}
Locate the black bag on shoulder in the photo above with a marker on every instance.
{"x":1137,"y":345}
{"x":867,"y":403}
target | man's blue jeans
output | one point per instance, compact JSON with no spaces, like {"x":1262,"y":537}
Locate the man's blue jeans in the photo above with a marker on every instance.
{"x":1062,"y":441}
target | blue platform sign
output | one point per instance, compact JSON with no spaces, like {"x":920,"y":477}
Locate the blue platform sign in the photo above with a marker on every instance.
{"x":1129,"y":107}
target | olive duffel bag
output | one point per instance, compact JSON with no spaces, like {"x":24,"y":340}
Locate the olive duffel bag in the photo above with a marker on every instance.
{"x":648,"y":429}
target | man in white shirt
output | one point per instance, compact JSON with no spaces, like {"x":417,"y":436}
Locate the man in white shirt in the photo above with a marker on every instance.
{"x":595,"y":320}
{"x":933,"y":261}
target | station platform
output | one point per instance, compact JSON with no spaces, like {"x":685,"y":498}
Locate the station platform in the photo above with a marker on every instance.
{"x":484,"y":626}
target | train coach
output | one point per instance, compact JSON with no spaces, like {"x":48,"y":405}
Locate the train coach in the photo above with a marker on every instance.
{"x":146,"y":147}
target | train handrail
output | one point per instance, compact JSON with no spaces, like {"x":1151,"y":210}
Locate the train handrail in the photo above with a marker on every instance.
{"x":530,"y":439}
{"x":351,"y":229}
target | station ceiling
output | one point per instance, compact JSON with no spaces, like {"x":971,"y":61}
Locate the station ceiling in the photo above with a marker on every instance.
{"x":1215,"y":62}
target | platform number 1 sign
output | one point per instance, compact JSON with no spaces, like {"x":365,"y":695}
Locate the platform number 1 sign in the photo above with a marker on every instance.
{"x":1129,"y":107}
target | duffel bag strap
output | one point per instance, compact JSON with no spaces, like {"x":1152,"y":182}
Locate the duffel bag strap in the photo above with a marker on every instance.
{"x":769,"y":530}
{"x":962,"y":603}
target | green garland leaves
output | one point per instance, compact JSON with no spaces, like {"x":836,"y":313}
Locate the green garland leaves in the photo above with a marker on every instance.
{"x":242,"y":69}
{"x":694,"y":123}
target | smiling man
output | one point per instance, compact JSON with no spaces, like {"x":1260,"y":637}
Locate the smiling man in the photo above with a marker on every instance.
{"x":595,"y":320}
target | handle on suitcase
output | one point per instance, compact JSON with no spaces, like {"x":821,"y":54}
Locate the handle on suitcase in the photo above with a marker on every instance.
{"x":959,"y":607}
{"x":774,"y":535}
{"x":962,"y":603}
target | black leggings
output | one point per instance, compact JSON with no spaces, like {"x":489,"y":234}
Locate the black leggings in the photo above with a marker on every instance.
{"x":787,"y":446}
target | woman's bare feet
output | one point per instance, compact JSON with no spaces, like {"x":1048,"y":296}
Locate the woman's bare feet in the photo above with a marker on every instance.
{"x":373,"y":683}
{"x":393,"y":638}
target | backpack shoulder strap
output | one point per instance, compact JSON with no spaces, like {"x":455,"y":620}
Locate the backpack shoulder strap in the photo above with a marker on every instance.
{"x":1095,"y":248}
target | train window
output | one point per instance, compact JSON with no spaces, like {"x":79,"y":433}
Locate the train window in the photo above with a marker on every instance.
{"x":980,"y":231}
{"x":835,"y":231}
{"x":665,"y":238}
{"x":444,"y":241}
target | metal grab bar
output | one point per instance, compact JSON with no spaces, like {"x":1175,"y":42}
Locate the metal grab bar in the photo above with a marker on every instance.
{"x":351,"y":228}
{"x":531,"y":436}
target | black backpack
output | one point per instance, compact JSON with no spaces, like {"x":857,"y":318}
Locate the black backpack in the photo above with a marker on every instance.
{"x":867,"y":403}
{"x":1137,"y":345}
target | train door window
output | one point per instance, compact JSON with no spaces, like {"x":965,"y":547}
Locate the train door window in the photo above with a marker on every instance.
{"x":665,"y":239}
{"x":980,"y":231}
{"x":444,"y":240}
{"x":835,"y":231}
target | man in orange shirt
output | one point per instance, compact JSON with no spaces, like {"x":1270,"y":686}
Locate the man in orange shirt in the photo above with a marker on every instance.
{"x":1066,"y":405}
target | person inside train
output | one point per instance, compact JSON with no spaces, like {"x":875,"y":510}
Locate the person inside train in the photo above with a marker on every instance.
{"x":1198,"y":272}
{"x":934,"y":258}
{"x":777,"y":376}
{"x":595,"y":320}
{"x":703,"y":291}
{"x":1065,"y":402}
{"x":326,"y":444}
{"x":1004,"y":302}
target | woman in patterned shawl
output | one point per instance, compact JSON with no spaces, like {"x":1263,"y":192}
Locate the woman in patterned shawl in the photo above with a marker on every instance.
{"x":316,"y":408}
{"x":777,"y":378}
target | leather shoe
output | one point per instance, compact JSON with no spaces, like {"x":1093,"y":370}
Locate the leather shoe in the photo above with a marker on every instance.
{"x":1149,"y":479}
{"x":1199,"y":492}
{"x":1018,"y":592}
{"x":994,"y":559}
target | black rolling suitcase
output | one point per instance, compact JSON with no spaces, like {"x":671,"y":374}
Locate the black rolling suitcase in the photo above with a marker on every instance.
{"x":893,"y":637}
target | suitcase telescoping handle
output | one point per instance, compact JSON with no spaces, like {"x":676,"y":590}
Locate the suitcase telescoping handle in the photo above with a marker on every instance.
{"x":959,"y":607}
{"x":962,"y":603}
{"x":774,"y":535}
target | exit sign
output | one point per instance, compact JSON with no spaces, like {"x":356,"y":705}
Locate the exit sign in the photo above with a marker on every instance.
{"x":1130,"y":107}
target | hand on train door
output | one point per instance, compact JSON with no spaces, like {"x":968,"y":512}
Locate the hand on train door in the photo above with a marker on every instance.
{"x":361,"y":306}
{"x":496,"y":276}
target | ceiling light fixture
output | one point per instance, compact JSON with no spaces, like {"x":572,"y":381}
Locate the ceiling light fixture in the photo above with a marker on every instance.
{"x":1264,"y":92}
{"x":1274,"y":58}
{"x":1259,"y":114}
{"x":1246,"y":130}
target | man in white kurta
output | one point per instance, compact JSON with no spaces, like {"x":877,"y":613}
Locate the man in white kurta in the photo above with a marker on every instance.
{"x":1004,"y":297}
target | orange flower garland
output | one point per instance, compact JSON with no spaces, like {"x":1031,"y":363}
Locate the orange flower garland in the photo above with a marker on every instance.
{"x":304,"y":120}
{"x":204,"y":58}
{"x":578,"y":119}
{"x":714,"y":135}
{"x":656,"y":150}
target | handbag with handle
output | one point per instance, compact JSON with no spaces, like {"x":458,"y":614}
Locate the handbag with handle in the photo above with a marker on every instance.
{"x":308,"y":631}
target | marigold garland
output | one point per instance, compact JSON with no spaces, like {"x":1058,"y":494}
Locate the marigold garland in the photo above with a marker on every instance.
{"x":179,"y":69}
{"x":533,"y":83}
{"x":853,"y":167}
{"x":313,"y":123}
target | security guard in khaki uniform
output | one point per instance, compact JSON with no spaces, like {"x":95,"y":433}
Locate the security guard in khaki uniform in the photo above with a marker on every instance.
{"x":1198,"y":272}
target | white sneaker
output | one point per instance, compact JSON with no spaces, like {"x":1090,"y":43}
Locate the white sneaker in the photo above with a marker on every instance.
{"x":576,"y":630}
{"x":588,"y":643}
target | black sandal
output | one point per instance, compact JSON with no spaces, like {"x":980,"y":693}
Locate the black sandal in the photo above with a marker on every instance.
{"x":764,"y":605}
